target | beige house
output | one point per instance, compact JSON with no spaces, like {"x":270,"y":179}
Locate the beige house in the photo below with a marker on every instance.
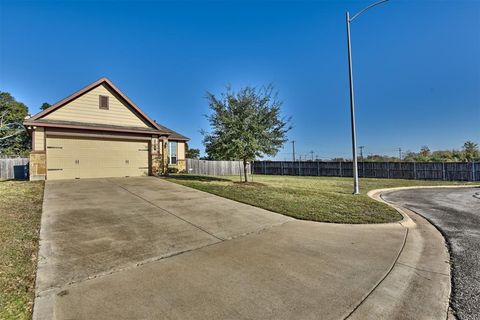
{"x":99,"y":132}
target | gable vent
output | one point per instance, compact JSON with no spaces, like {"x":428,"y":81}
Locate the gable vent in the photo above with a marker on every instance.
{"x":103,"y":102}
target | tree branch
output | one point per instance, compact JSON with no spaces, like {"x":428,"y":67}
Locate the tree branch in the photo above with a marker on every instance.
{"x":11,"y":135}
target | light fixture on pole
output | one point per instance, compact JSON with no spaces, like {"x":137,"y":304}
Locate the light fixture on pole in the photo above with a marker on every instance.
{"x":352,"y":98}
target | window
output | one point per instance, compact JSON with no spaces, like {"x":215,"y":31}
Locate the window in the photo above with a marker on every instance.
{"x":103,"y":102}
{"x":172,"y":152}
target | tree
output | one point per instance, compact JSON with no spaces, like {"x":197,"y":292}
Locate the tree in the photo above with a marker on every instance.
{"x":45,"y":105}
{"x":471,"y":151}
{"x":245,"y":125}
{"x":191,"y":153}
{"x":381,"y":158}
{"x":13,"y":136}
{"x":425,"y":152}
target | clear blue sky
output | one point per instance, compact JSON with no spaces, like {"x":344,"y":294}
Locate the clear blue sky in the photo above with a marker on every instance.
{"x":416,"y":64}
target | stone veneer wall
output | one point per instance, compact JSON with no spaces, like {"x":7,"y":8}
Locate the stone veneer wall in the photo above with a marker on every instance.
{"x":164,"y":156}
{"x":181,"y":166}
{"x":38,"y":165}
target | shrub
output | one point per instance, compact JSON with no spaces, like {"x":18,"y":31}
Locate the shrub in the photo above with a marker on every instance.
{"x":172,"y":170}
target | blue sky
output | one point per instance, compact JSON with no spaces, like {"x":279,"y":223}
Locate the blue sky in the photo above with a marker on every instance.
{"x":416,"y":64}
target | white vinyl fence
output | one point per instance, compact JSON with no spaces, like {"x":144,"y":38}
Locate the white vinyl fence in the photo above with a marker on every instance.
{"x":216,"y":168}
{"x":13,"y":168}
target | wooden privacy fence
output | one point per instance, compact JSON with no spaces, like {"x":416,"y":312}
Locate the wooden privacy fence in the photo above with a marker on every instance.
{"x":462,"y":171}
{"x":216,"y":168}
{"x":13,"y":168}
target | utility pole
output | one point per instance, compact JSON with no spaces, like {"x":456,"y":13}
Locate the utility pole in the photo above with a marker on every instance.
{"x":293,"y":146}
{"x":400,"y":153}
{"x":352,"y":98}
{"x":361,"y":152}
{"x":311,"y":153}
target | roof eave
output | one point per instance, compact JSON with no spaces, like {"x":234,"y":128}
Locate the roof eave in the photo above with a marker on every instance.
{"x":38,"y":123}
{"x":180,"y":139}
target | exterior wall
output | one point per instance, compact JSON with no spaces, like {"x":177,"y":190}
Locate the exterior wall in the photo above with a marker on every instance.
{"x":164,"y":155}
{"x":38,"y":139}
{"x":38,"y":165}
{"x":86,"y":109}
{"x":38,"y":157}
{"x":181,"y":165}
{"x":181,"y":150}
{"x":155,"y":154}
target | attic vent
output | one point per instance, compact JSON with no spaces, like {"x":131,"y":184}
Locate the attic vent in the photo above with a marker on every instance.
{"x":103,"y":102}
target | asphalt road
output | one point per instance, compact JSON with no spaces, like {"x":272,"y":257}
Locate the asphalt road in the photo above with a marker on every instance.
{"x":456,"y":212}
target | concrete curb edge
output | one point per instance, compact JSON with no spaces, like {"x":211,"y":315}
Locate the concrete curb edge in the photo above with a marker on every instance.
{"x":418,"y":286}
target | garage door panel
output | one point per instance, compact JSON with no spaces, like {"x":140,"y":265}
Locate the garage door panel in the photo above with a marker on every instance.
{"x":75,"y":157}
{"x":56,"y":174}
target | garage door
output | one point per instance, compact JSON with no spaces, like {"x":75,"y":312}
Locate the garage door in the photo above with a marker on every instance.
{"x":78,"y":157}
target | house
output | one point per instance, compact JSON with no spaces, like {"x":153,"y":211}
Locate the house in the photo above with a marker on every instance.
{"x":99,"y":132}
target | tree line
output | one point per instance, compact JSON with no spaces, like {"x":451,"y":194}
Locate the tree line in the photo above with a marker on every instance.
{"x":468,"y":152}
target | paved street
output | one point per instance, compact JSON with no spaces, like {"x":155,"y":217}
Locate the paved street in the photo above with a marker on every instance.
{"x":456,"y":212}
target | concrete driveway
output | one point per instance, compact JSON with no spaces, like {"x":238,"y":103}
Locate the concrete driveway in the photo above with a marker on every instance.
{"x":457,"y":213}
{"x":145,"y":248}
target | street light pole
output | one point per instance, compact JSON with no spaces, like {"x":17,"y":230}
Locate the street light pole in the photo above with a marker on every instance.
{"x":352,"y":111}
{"x":352,"y":97}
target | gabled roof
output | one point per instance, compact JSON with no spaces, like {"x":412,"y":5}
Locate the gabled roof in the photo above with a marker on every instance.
{"x":156,"y":128}
{"x":88,"y":88}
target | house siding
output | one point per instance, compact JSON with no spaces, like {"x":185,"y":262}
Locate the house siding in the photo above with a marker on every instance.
{"x":86,"y":109}
{"x":39,"y":139}
{"x":181,"y":150}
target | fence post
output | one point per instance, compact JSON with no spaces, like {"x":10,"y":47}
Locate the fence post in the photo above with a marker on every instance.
{"x":318,"y":168}
{"x":299,"y":168}
{"x":414,"y":171}
{"x":341,"y":173}
{"x":443,"y":171}
{"x":388,"y":170}
{"x":281,"y":167}
{"x":473,"y":171}
{"x":475,"y":164}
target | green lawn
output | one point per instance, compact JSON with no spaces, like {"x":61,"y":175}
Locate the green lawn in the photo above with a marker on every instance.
{"x":20,"y":211}
{"x":327,"y":199}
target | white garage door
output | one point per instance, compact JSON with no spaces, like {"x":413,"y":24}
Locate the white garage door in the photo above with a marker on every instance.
{"x":78,"y":157}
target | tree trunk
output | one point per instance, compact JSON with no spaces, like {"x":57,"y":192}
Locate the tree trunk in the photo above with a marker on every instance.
{"x":245,"y":169}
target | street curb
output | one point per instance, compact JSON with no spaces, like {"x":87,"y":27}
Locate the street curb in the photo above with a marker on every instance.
{"x":419,"y":284}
